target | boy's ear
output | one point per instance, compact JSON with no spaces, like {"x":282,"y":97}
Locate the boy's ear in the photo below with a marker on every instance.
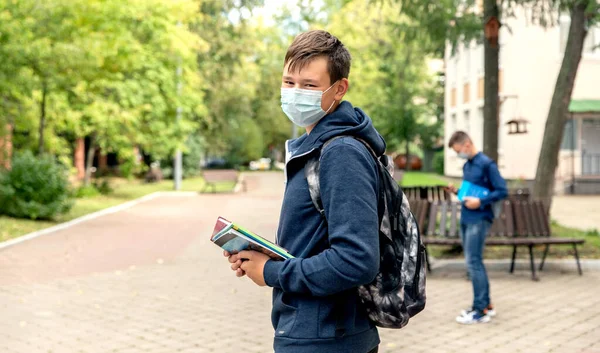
{"x":342,"y":88}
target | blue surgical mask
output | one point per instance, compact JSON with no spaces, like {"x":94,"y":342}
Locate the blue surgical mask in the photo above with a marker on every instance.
{"x":463,"y":155}
{"x":303,"y":106}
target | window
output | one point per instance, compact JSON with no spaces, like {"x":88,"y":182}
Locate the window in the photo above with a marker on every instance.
{"x":480,"y":88}
{"x":466,"y":93}
{"x":570,"y":141}
{"x":467,"y":122}
{"x":500,"y":80}
{"x":453,"y":97}
{"x":453,"y":123}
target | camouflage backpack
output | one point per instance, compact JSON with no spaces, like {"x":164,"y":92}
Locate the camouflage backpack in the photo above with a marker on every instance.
{"x":398,"y":291}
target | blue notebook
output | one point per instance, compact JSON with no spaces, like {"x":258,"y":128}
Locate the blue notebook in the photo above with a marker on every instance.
{"x":468,"y":189}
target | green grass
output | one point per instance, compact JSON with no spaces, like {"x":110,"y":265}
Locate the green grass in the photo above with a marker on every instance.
{"x":590,"y":249}
{"x":124,"y":190}
{"x":422,"y":179}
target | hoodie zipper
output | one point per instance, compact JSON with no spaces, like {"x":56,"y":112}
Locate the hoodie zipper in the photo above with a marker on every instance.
{"x":288,"y":159}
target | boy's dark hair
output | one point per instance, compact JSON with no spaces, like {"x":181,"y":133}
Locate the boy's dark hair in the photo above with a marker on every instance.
{"x":458,"y":137}
{"x":312,"y":44}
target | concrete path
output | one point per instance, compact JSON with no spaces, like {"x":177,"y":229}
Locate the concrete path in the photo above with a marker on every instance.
{"x":148,"y":280}
{"x":582,"y":212}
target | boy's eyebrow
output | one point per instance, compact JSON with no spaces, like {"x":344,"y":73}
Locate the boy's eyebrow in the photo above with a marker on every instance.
{"x":308,"y":80}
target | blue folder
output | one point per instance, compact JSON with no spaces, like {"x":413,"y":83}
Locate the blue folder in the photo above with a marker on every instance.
{"x":468,"y":189}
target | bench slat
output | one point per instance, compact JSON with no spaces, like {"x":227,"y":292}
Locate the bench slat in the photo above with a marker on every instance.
{"x":443,"y":215}
{"x":432,"y":219}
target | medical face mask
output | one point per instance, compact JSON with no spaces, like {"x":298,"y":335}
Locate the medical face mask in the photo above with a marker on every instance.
{"x":463,"y":155}
{"x":303,"y":106}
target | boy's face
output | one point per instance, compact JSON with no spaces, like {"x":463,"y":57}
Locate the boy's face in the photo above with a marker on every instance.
{"x":314,"y":76}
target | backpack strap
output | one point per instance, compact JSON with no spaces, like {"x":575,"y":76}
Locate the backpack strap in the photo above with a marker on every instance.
{"x":312,"y":168}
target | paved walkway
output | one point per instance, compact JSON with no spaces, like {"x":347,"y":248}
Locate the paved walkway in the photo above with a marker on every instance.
{"x":147,"y":280}
{"x":582,"y":212}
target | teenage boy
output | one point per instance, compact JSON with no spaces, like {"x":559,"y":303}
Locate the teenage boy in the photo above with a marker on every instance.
{"x":316,"y":308}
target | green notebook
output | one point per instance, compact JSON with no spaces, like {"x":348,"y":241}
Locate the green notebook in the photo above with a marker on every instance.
{"x":233,"y":238}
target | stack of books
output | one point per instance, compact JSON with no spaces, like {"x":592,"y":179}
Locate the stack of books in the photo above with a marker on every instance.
{"x":233,"y":239}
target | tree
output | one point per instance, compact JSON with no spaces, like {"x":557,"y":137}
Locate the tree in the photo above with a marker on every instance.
{"x":491,"y":60}
{"x":389,"y":75}
{"x":584,"y":14}
{"x":100,"y":69}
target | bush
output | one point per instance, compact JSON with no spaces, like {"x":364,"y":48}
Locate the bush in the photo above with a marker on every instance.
{"x":97,"y":187}
{"x":35,"y":188}
{"x":438,"y":163}
{"x":86,"y":191}
{"x":103,"y":186}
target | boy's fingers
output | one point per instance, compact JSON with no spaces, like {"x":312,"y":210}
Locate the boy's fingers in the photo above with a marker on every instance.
{"x":246,"y":254}
{"x":240,"y":273}
{"x":226,"y":253}
{"x":236,"y":265}
{"x":234,"y":258}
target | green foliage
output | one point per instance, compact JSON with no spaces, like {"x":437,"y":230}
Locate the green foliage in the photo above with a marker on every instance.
{"x":246,"y":143}
{"x":35,"y":188}
{"x":438,"y":163}
{"x":194,"y":149}
{"x":103,"y":186}
{"x":102,"y":66}
{"x":390,"y":77}
{"x":86,"y":191}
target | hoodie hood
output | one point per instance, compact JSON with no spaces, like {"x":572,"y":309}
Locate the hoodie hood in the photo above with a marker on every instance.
{"x":345,"y":120}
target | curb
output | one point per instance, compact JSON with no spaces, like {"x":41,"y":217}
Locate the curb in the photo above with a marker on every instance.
{"x":90,"y":216}
{"x":522,"y":265}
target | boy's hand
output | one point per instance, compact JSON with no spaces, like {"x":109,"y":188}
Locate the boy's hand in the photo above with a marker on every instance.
{"x":451,"y":188}
{"x":472,"y":203}
{"x":235,"y":264}
{"x":253,"y":265}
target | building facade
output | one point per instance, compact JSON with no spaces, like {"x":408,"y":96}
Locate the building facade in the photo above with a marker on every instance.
{"x":530,"y":59}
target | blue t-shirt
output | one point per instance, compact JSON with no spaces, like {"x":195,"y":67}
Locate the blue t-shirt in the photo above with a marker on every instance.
{"x":483,"y":171}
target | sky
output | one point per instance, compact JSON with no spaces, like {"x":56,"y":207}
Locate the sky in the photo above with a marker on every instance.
{"x":272,"y":7}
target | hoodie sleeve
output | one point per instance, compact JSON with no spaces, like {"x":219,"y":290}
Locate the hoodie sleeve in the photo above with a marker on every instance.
{"x":349,"y":184}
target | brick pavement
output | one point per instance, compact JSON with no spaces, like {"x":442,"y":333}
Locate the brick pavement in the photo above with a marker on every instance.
{"x":147,"y":280}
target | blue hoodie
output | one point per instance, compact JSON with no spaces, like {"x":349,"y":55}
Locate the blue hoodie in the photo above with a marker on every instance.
{"x":316,"y":308}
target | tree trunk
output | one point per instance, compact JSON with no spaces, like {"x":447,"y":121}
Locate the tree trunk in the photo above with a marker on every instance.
{"x":490,"y":107}
{"x":559,"y":107}
{"x":90,"y":160}
{"x":42,"y":118}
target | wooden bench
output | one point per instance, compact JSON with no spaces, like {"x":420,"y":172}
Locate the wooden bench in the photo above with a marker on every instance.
{"x":430,"y":193}
{"x":214,"y":176}
{"x":521,"y":223}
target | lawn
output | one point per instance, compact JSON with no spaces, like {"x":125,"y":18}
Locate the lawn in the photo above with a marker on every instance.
{"x":422,"y":179}
{"x":124,"y":190}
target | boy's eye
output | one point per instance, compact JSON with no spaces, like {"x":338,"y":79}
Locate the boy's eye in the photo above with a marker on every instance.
{"x":310,"y":85}
{"x":289,"y":83}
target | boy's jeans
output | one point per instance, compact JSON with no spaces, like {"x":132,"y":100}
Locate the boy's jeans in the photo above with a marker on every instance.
{"x":473,"y":240}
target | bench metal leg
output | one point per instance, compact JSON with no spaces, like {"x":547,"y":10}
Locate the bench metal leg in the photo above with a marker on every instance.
{"x":427,"y":260}
{"x":514,"y":256}
{"x":544,"y":257}
{"x":577,"y":259}
{"x":533,"y":274}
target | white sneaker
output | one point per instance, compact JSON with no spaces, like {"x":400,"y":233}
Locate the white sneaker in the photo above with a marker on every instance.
{"x":473,"y":317}
{"x":490,"y":311}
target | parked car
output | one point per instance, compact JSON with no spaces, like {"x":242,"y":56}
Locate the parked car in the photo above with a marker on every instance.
{"x":261,"y":164}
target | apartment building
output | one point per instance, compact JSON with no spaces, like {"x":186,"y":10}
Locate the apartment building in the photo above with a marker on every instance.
{"x":530,"y":59}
